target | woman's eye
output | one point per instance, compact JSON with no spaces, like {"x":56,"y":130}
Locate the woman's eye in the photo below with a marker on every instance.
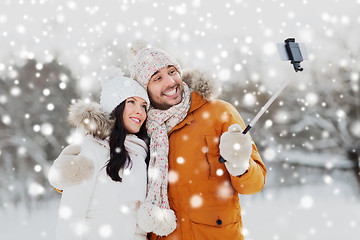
{"x":131,"y":101}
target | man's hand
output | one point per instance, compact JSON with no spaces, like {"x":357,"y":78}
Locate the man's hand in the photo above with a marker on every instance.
{"x":70,"y":169}
{"x":235,"y":147}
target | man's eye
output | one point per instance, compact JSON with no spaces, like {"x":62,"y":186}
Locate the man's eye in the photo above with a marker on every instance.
{"x":154,"y":79}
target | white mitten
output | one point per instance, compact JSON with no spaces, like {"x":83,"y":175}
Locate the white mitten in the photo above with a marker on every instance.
{"x":70,"y":169}
{"x":235,"y":147}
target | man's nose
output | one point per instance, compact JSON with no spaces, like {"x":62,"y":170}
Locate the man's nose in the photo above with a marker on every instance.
{"x":169,"y":80}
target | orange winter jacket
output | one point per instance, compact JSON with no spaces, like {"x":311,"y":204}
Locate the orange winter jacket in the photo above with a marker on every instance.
{"x":202,"y":193}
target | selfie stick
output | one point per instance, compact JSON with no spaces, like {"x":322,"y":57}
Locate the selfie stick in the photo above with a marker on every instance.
{"x":293,"y":53}
{"x":265,"y":107}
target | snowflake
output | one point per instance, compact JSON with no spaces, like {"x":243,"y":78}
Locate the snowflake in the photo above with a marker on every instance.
{"x":181,"y":9}
{"x":124,"y":209}
{"x":180,"y":160}
{"x":196,"y":201}
{"x":37,"y":168}
{"x":35,"y":189}
{"x":268,"y":123}
{"x":355,"y":128}
{"x":153,"y":173}
{"x":328,"y":179}
{"x":50,"y":106}
{"x":238,"y":67}
{"x":281,"y":117}
{"x":219,"y":172}
{"x":173,"y":176}
{"x":84,"y":59}
{"x":6,"y":119}
{"x":269,"y":48}
{"x":15,"y":91}
{"x":199,"y":54}
{"x":3,"y":99}
{"x":65,"y":212}
{"x":311,"y":98}
{"x":46,"y":128}
{"x":249,"y":99}
{"x":127,"y":172}
{"x":269,"y":154}
{"x":224,"y":74}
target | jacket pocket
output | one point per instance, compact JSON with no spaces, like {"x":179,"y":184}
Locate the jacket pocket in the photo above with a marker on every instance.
{"x":216,"y":224}
{"x":216,"y":169}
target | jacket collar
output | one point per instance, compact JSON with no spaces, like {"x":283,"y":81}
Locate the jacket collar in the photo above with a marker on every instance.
{"x":196,"y":102}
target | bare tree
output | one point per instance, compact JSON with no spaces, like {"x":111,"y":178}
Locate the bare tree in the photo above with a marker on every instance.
{"x":33,"y":108}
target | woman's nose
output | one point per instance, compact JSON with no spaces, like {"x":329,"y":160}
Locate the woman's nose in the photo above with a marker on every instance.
{"x":138,"y":109}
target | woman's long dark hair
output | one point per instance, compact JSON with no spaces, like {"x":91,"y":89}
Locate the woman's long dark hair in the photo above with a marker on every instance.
{"x":119,"y":156}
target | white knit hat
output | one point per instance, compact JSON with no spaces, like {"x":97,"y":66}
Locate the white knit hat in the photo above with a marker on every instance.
{"x":147,"y":61}
{"x":116,"y":88}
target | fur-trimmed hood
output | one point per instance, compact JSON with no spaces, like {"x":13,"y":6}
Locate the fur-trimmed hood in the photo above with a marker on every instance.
{"x":201,"y":82}
{"x":88,"y":115}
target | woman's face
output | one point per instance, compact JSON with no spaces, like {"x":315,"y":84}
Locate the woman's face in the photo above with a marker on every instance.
{"x":134,"y":114}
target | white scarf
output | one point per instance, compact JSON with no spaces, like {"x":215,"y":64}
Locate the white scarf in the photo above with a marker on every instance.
{"x":155,"y":214}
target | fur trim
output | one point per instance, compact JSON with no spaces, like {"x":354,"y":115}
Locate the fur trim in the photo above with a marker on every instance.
{"x":90,"y":116}
{"x":202,"y":83}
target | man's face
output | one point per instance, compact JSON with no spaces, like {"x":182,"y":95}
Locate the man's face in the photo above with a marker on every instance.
{"x":165,"y":88}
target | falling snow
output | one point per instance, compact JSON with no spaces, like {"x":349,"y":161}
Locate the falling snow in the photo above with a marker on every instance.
{"x":196,"y":201}
{"x":52,"y":51}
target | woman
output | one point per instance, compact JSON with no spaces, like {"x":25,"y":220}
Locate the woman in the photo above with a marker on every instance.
{"x":104,"y":186}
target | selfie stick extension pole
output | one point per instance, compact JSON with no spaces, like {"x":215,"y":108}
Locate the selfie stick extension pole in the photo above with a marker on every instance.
{"x":261,"y":112}
{"x":265,"y":107}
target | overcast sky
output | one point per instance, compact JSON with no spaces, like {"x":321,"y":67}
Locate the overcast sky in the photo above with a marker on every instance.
{"x":87,"y":34}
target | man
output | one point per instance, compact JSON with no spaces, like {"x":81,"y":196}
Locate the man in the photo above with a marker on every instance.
{"x":191,"y":195}
{"x":188,"y":134}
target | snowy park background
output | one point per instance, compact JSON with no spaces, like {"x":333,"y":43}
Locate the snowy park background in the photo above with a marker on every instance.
{"x":52,"y":51}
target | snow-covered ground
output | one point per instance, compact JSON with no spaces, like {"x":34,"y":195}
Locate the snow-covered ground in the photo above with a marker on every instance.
{"x":319,"y":212}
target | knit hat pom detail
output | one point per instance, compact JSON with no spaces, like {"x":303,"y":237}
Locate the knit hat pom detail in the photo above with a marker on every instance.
{"x":135,"y":48}
{"x":160,"y":221}
{"x":110,"y":73}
